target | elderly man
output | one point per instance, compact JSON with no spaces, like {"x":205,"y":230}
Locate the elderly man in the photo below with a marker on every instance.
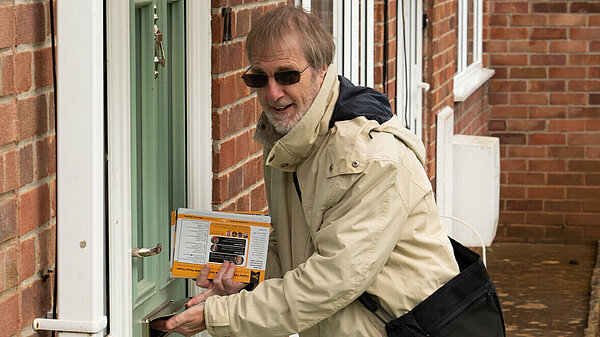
{"x":351,"y":205}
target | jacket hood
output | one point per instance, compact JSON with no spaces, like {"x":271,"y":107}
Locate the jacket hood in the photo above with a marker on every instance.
{"x":357,"y":101}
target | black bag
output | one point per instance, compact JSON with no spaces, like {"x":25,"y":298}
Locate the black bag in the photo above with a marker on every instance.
{"x":467,"y":305}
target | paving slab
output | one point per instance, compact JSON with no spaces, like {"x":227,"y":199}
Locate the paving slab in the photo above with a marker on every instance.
{"x":544,"y":288}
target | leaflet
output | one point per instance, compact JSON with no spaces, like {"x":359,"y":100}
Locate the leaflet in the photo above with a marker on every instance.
{"x":205,"y":237}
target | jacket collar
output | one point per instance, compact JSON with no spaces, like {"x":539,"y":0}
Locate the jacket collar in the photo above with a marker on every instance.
{"x":289,"y":150}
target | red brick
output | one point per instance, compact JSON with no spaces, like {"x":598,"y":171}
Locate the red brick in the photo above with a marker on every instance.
{"x":524,"y":205}
{"x":547,"y":85}
{"x":592,"y":179}
{"x":47,"y":245}
{"x":33,"y":117}
{"x":589,"y":85}
{"x":30,"y":23}
{"x":527,"y":72}
{"x":34,"y":208}
{"x":549,"y":7}
{"x":498,"y":20}
{"x":220,"y":189}
{"x":512,"y":217}
{"x":53,"y":197}
{"x":565,"y":151}
{"x":547,"y":166}
{"x":235,"y":182}
{"x":547,"y":138}
{"x":566,"y":125}
{"x":594,"y":99}
{"x":592,"y":125}
{"x":225,"y":157}
{"x":242,"y":144}
{"x":566,"y":72}
{"x":584,"y":139}
{"x":11,"y":266}
{"x":529,"y":20}
{"x":562,"y":232}
{"x":507,"y":86}
{"x":584,"y":166}
{"x":497,"y":125}
{"x":530,"y":98}
{"x":547,"y":112}
{"x":567,"y":20}
{"x":228,"y":57}
{"x":10,"y":180}
{"x":593,"y":152}
{"x":550,"y":60}
{"x":9,"y":315}
{"x":508,"y":33}
{"x":42,"y":67}
{"x":510,"y":7}
{"x":584,"y":112}
{"x":26,"y":165}
{"x":594,"y":20}
{"x":548,"y":34}
{"x":45,"y":153}
{"x":513,"y":165}
{"x":591,"y":205}
{"x":594,"y":46}
{"x":528,"y":46}
{"x":36,"y":301}
{"x":28,"y":259}
{"x":509,"y":59}
{"x":526,"y":125}
{"x":585,"y":7}
{"x":526,"y":178}
{"x":23,"y":72}
{"x":7,"y":22}
{"x":582,"y":219}
{"x":228,"y":90}
{"x":584,"y":59}
{"x":258,"y":199}
{"x":544,"y":192}
{"x":8,"y":220}
{"x":584,"y":33}
{"x":7,"y":75}
{"x":512,"y":192}
{"x":568,"y":46}
{"x":527,"y":151}
{"x":219,"y":124}
{"x":583,"y":193}
{"x":8,"y":120}
{"x":510,"y":138}
{"x":566,"y":99}
{"x":545,"y":218}
{"x":565,"y":179}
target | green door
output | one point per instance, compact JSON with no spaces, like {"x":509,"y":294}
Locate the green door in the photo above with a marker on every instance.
{"x":158,"y":146}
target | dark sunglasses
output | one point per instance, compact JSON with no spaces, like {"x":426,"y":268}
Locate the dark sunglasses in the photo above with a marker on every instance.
{"x":286,"y":77}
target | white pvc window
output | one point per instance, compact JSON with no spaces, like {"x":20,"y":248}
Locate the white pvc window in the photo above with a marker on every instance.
{"x":470,"y":73}
{"x":352,"y":24}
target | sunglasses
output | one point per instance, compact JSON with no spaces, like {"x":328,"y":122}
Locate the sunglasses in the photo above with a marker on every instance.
{"x":286,"y":77}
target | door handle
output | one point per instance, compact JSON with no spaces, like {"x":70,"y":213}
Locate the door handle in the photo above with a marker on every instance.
{"x":145,"y":252}
{"x":423,"y":85}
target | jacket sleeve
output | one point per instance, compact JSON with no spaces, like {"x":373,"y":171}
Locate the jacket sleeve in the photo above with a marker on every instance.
{"x":354,"y":241}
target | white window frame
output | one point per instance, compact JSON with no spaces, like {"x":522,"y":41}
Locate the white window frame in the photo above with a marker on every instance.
{"x":409,"y":72}
{"x":469,"y":77}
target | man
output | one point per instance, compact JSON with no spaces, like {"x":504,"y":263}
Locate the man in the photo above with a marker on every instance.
{"x":351,"y":205}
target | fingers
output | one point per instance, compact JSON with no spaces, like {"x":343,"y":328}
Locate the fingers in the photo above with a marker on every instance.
{"x":202,"y":280}
{"x":188,"y":322}
{"x":200,"y":297}
{"x":218,"y":280}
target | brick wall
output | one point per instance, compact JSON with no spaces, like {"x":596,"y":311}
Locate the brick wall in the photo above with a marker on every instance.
{"x":27,"y":166}
{"x":546,"y":111}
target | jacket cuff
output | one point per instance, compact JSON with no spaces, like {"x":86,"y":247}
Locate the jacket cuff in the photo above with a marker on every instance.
{"x":216,"y":316}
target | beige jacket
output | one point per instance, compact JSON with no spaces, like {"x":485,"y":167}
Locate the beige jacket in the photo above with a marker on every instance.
{"x":367,"y":222}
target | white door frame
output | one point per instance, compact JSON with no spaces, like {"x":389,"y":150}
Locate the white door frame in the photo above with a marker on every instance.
{"x":199,"y":149}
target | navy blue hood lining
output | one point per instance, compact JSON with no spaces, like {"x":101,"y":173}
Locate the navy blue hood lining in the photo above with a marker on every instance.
{"x":355,"y":101}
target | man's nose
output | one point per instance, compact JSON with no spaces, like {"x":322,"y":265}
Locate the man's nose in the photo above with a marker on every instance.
{"x":274,"y":90}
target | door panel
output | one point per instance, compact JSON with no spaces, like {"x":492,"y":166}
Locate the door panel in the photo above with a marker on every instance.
{"x":157,"y":147}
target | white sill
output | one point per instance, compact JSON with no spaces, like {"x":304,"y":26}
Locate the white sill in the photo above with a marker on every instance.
{"x":466,"y":82}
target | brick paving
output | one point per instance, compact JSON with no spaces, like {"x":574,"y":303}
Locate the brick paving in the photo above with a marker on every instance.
{"x":544,"y":288}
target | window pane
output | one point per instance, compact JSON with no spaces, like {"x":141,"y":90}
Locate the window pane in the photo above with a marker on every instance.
{"x":324,"y":9}
{"x":470,"y":32}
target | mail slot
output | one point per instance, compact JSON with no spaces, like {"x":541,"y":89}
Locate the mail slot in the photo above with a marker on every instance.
{"x":164,"y":311}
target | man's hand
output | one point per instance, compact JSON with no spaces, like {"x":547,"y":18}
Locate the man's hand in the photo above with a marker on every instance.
{"x":188,"y":323}
{"x":222,"y":285}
